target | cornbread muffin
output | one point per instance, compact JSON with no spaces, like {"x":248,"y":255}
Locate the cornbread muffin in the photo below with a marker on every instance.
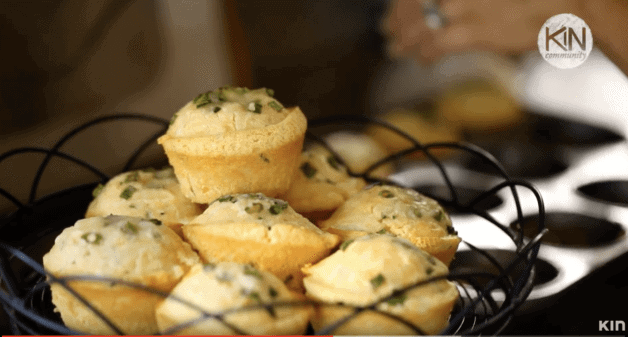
{"x":480,"y":105}
{"x":359,"y":151}
{"x":262,"y":231}
{"x":321,"y":184}
{"x":370,"y":269}
{"x":123,"y":248}
{"x":234,"y":140}
{"x":229,"y":286}
{"x":149,"y":193}
{"x":398,"y":211}
{"x":424,"y":125}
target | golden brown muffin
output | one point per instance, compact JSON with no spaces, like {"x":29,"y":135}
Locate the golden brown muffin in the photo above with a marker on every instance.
{"x":480,"y":106}
{"x":371,"y":268}
{"x":150,"y":194}
{"x":123,"y":248}
{"x":425,"y":126}
{"x":234,"y":140}
{"x":359,"y":151}
{"x":230,"y":286}
{"x":262,"y":231}
{"x":320,"y":185}
{"x":398,"y":211}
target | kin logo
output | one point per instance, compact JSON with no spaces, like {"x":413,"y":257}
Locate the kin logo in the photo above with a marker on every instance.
{"x":565,"y":41}
{"x":612,"y":326}
{"x":569,"y":35}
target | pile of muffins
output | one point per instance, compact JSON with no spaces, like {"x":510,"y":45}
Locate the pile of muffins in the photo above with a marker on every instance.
{"x":250,"y":233}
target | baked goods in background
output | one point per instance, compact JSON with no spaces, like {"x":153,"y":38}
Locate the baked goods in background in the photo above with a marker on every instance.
{"x":359,"y":151}
{"x":149,"y":193}
{"x":423,"y":123}
{"x":264,"y":232}
{"x":321,"y":184}
{"x":371,"y":268}
{"x":480,"y":106}
{"x":225,"y":286}
{"x":399,"y":211}
{"x":234,"y":140}
{"x":118,"y":247}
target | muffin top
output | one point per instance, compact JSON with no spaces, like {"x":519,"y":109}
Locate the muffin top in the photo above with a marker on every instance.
{"x":226,"y":286}
{"x":267,"y":219}
{"x":321,"y":182}
{"x":368,"y":268}
{"x":233,"y":121}
{"x":149,"y":193}
{"x":227,"y":109}
{"x":128,"y":248}
{"x":393,"y":209}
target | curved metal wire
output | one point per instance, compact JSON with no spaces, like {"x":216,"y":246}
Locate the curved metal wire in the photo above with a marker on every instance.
{"x":76,"y":131}
{"x":478,"y":311}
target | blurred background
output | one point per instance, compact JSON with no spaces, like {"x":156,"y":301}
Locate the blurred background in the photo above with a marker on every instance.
{"x":68,"y":62}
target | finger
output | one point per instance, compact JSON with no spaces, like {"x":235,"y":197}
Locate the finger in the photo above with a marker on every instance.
{"x":453,"y":9}
{"x":450,"y":40}
{"x":401,"y":15}
{"x":411,"y":41}
{"x":456,"y":38}
{"x":422,"y":60}
{"x":498,"y":38}
{"x":388,"y":23}
{"x":429,"y":53}
{"x":461,"y":11}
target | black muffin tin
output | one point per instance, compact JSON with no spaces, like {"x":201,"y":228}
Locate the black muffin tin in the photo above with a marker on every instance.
{"x":581,"y":172}
{"x":540,"y":147}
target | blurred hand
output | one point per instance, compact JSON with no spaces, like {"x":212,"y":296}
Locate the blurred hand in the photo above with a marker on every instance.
{"x":502,"y":26}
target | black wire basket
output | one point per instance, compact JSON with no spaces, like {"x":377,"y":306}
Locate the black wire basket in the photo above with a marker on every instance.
{"x":29,"y":232}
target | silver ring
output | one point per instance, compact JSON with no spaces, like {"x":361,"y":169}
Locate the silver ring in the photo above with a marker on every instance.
{"x":434,"y":19}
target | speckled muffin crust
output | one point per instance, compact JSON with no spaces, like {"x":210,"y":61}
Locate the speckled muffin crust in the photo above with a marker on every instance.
{"x":149,"y":193}
{"x":372,"y":268}
{"x":262,"y":231}
{"x":216,"y":288}
{"x":234,"y":140}
{"x":398,"y":211}
{"x":123,"y":248}
{"x":321,"y":184}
